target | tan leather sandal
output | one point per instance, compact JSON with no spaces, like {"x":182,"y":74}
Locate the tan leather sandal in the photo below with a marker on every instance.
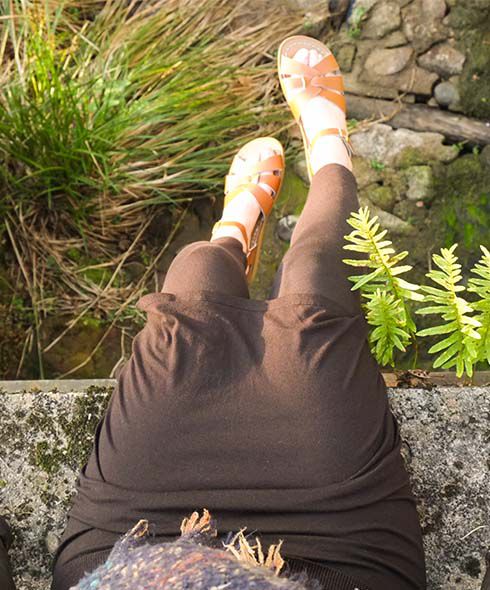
{"x":324,"y":79}
{"x":269,"y":171}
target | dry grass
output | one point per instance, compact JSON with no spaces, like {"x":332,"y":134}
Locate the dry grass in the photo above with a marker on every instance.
{"x":111,"y":112}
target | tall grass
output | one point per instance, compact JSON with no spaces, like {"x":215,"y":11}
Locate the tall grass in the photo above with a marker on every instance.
{"x":110,"y":111}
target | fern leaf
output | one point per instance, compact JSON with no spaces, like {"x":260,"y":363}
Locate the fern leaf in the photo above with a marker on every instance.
{"x":386,"y":313}
{"x":481,"y":286}
{"x":460,"y":347}
{"x":384,"y":263}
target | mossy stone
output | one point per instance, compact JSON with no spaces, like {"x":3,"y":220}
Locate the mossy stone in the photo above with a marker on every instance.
{"x":396,"y":181}
{"x":411,"y":156}
{"x":381,"y":196}
{"x":471,"y":22}
{"x":420,"y":183}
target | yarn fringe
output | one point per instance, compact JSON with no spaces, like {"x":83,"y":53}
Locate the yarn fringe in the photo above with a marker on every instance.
{"x":245,"y":552}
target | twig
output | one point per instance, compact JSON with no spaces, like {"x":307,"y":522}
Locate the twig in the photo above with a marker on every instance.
{"x":482,"y":526}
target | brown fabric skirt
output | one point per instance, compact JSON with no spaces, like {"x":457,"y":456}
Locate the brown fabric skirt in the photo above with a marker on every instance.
{"x":271,"y":414}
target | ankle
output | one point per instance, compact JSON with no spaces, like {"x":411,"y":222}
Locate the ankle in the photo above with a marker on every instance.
{"x":229,"y":232}
{"x":329,"y":150}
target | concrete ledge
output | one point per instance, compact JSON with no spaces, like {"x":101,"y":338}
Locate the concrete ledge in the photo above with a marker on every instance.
{"x":46,"y":433}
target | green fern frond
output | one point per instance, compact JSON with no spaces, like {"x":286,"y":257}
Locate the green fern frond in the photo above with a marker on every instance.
{"x":461,"y":343}
{"x":387,"y":315}
{"x":384,"y":277}
{"x":481,"y":286}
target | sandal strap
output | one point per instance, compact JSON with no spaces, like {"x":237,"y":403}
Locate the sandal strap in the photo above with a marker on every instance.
{"x":264,"y":199}
{"x":336,"y":131}
{"x":292,"y":66}
{"x":315,"y":81}
{"x":301,"y":98}
{"x":241,"y":227}
{"x":269,"y":165}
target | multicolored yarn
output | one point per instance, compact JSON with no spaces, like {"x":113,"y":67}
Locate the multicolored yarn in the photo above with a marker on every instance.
{"x":193,"y":561}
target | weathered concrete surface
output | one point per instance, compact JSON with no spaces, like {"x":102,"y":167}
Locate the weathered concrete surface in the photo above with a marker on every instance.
{"x":45,"y":438}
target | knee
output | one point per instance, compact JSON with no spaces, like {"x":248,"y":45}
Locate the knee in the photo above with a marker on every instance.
{"x":212,"y":253}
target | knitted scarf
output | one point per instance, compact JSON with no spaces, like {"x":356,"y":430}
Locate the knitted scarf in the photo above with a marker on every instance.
{"x":193,"y":561}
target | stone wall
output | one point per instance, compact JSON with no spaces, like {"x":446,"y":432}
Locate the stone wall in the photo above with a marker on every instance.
{"x":46,"y":433}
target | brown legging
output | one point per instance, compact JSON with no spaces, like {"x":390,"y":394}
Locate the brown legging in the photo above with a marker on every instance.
{"x":312,"y":265}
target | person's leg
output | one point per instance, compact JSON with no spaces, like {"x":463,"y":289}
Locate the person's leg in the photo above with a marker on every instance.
{"x":219,"y":265}
{"x":313,"y":263}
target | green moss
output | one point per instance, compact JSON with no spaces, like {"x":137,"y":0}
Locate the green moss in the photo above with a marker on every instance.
{"x":411,"y":156}
{"x":293,"y":195}
{"x":465,"y":214}
{"x":48,"y":457}
{"x":80,"y":429}
{"x":70,"y":434}
{"x":472,"y":25}
{"x":291,"y":201}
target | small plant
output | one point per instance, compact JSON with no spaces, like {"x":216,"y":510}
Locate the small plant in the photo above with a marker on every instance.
{"x":465,"y":329}
{"x":376,"y":165}
{"x":354,"y":30}
{"x":458,"y":146}
{"x":481,"y":286}
{"x":387,"y":293}
{"x":460,"y":341}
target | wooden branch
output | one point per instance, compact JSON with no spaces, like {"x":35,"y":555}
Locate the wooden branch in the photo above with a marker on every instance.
{"x":420,"y":118}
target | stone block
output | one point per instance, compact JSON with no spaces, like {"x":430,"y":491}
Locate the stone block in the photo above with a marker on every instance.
{"x":384,"y":18}
{"x":47,"y":433}
{"x":420,"y":182}
{"x":444,"y":59}
{"x":391,"y":146}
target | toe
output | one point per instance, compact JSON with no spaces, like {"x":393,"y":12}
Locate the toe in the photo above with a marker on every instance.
{"x":302,"y":56}
{"x":314,"y":57}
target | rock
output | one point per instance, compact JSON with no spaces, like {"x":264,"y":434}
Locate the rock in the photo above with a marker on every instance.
{"x":285,"y":227}
{"x":432,"y":102}
{"x":392,"y":69}
{"x":434,"y":9}
{"x":420,"y":28}
{"x":485,"y":156}
{"x":52,"y":542}
{"x":443,"y":59}
{"x":381,"y":196}
{"x":345,"y":56}
{"x":446,"y":94}
{"x":364,"y":172}
{"x":393,"y":224}
{"x":361,"y":5}
{"x":395,"y":39}
{"x":420,"y":182}
{"x":392,"y":147}
{"x":384,"y":62}
{"x":385,"y":18}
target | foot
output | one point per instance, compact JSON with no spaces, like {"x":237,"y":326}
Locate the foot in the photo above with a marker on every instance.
{"x":320,"y":113}
{"x":244,"y":208}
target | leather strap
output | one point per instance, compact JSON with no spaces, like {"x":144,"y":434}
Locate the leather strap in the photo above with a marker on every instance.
{"x":337,"y":131}
{"x":264,"y":199}
{"x":241,"y":227}
{"x":315,"y":81}
{"x":263,"y":167}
